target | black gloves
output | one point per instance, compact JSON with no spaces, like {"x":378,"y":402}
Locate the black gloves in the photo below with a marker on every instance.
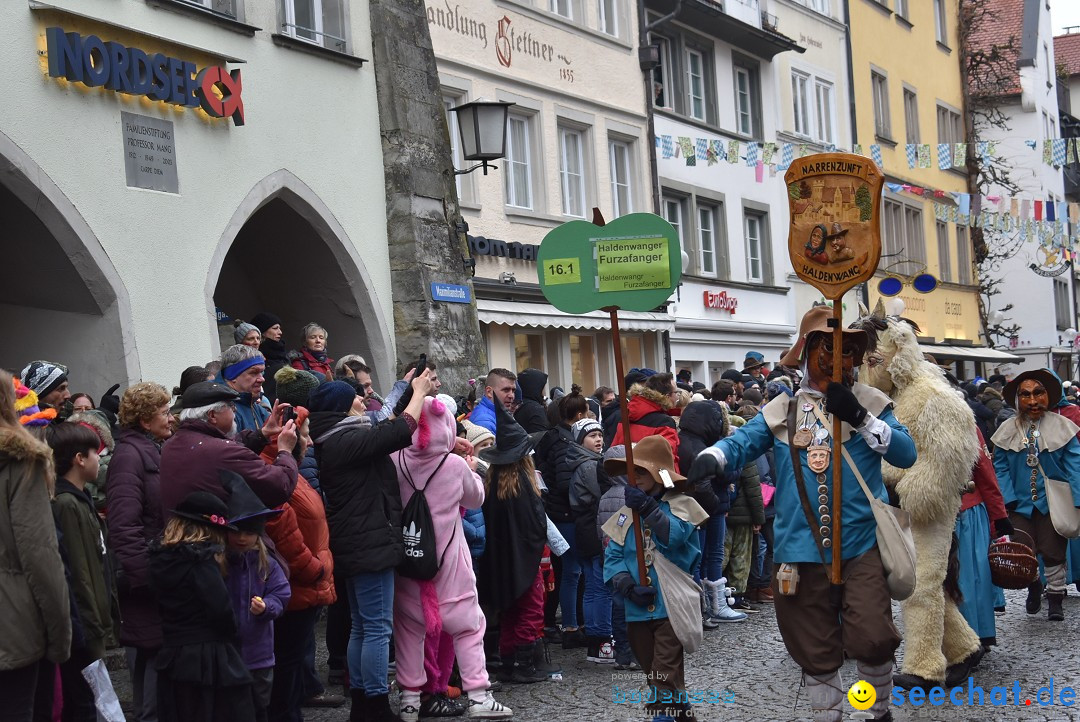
{"x":403,"y":402}
{"x":1003,"y":527}
{"x":840,"y":401}
{"x":704,"y":468}
{"x":639,"y":501}
{"x":641,"y":595}
{"x":110,"y":401}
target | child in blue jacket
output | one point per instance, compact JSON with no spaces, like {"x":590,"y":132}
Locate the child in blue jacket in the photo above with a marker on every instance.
{"x":670,"y":522}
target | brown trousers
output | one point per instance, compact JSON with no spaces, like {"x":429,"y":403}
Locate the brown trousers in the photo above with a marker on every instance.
{"x":818,"y":628}
{"x":1048,"y":542}
{"x":660,"y":654}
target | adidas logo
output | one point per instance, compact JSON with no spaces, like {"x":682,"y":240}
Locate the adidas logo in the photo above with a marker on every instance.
{"x":411,"y":537}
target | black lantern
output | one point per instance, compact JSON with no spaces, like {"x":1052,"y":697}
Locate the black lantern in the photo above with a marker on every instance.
{"x":482,"y":124}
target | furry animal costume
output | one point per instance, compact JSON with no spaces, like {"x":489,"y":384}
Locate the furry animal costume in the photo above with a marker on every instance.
{"x":943,"y":428}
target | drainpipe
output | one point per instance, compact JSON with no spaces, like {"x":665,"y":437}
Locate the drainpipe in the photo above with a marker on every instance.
{"x":850,"y":72}
{"x":646,"y":68}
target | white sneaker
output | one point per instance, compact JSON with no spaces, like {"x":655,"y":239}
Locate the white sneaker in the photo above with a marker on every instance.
{"x":488,"y":709}
{"x":727,"y":614}
{"x":606,"y":654}
{"x":409,"y":713}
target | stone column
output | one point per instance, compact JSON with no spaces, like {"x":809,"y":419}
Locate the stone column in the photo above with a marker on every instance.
{"x":421,"y":199}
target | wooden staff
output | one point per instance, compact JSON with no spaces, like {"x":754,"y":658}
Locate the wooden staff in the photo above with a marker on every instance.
{"x":625,"y":409}
{"x":837,"y":323}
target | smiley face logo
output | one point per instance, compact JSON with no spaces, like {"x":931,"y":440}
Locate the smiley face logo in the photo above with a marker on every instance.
{"x":862,"y":695}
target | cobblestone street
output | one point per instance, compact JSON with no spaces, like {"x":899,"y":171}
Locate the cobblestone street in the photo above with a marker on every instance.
{"x":749,"y":659}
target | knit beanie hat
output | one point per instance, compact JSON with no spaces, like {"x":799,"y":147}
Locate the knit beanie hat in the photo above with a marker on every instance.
{"x":332,"y":396}
{"x":242,"y":330}
{"x":583,"y":427}
{"x":294,"y":386}
{"x":26,"y":406}
{"x":43,"y":377}
{"x":475,"y":433}
{"x":264,"y":320}
{"x":448,"y":401}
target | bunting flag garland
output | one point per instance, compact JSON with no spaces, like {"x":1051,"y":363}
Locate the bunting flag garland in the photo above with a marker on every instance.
{"x":752,"y":154}
{"x":959,"y":159}
{"x":733,"y":151}
{"x":666,"y":146}
{"x":687,"y":150}
{"x":702,"y":147}
{"x":857,"y":149}
{"x":944,"y":153}
{"x":875,"y":154}
{"x":712,"y":152}
{"x":1048,"y":151}
{"x":912,"y":154}
{"x":924,"y":155}
{"x":767,"y":153}
{"x":759,"y":172}
{"x":787,"y":155}
{"x":1058,"y":148}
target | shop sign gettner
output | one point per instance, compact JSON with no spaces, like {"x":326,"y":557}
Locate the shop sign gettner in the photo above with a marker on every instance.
{"x":93,"y":62}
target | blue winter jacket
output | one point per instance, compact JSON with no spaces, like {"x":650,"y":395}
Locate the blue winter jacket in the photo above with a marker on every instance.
{"x":475,"y":531}
{"x":484,"y":414}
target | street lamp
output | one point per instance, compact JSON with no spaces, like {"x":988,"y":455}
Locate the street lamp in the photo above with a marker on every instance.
{"x":482,"y":125}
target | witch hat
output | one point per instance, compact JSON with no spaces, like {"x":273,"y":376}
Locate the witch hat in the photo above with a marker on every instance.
{"x":246,"y":510}
{"x":511,"y":441}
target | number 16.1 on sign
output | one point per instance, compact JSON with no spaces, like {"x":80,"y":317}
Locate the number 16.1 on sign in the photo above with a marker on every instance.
{"x":562,"y":270}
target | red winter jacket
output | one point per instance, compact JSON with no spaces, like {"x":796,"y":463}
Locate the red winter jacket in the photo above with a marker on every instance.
{"x":303,"y":360}
{"x":648,"y":418}
{"x":303,"y":539}
{"x":987,"y":490}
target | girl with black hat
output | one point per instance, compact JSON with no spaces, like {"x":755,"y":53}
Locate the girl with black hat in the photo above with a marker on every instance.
{"x":201,"y":675}
{"x":258,"y":589}
{"x":510,"y":583}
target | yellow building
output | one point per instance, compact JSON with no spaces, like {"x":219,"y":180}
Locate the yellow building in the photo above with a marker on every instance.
{"x":908,"y":89}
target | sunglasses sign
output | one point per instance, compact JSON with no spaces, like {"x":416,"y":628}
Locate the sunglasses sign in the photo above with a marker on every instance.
{"x":835,"y":238}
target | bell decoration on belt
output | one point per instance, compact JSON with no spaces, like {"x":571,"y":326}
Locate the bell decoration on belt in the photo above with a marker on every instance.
{"x":1032,"y":460}
{"x":818,"y":457}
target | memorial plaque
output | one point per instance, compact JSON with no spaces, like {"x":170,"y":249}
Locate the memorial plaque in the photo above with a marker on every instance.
{"x":149,"y":153}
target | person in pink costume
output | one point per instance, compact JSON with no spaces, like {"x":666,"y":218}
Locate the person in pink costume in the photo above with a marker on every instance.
{"x":448,"y":602}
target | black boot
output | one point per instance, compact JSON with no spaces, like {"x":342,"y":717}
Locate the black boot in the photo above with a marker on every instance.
{"x":358,"y":712}
{"x":1034,"y":598}
{"x":525,"y":671}
{"x":958,"y":673}
{"x":378,"y":708}
{"x":1054,"y":611}
{"x":911,"y":681}
{"x":542,"y":659}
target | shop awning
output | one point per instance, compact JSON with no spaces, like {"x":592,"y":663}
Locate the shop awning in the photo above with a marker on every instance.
{"x":544,"y":315}
{"x":968,"y":353}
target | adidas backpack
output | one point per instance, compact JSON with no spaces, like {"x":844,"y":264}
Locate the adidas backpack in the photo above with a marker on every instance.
{"x":418,"y":531}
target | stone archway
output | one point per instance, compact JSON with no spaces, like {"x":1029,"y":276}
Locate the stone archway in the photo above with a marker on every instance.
{"x":62,"y":299}
{"x":284,"y":252}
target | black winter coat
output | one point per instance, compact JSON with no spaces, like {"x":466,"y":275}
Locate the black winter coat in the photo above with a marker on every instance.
{"x":276,"y":356}
{"x":531,"y":414}
{"x":610,"y":417}
{"x":748,"y":508}
{"x":553,"y":449}
{"x":701,"y":425}
{"x":359,"y":482}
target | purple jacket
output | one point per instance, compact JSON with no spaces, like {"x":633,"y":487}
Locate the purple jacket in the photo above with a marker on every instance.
{"x":190,"y":461}
{"x":135,"y":519}
{"x":256,"y":633}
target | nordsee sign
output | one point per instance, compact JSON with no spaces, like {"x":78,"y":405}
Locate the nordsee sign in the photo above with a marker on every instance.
{"x":93,"y":62}
{"x":450,"y":293}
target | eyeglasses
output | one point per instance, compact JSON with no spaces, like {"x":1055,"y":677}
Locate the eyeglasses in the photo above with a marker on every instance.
{"x":894,"y":282}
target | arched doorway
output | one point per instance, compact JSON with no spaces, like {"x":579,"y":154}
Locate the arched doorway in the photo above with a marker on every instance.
{"x":285,"y":253}
{"x":62,"y":299}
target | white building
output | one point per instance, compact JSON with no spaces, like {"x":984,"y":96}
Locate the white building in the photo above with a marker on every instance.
{"x":131,"y":220}
{"x":1043,"y":305}
{"x":577,"y":139}
{"x":716,"y":83}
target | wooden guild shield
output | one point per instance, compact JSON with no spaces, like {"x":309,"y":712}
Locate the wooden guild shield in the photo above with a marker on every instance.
{"x":835,"y":237}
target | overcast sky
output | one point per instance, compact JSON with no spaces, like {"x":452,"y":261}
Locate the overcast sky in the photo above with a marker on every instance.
{"x":1064,"y":13}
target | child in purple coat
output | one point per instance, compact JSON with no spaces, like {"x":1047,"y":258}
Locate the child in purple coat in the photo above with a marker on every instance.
{"x":258,"y":588}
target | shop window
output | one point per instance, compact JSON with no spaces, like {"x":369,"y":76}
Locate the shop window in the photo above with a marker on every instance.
{"x":572,"y":171}
{"x":911,"y":116}
{"x":321,"y":22}
{"x":944,"y":256}
{"x":879,"y":85}
{"x":218,"y":7}
{"x":622,"y":190}
{"x":963,"y":254}
{"x":529,"y":350}
{"x":519,"y":164}
{"x":583,"y":362}
{"x":608,"y":16}
{"x":633,"y":350}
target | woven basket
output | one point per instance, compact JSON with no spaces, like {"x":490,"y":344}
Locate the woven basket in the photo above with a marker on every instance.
{"x":1013,"y":565}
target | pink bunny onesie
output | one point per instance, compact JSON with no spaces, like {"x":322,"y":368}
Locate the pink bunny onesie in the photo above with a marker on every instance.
{"x":449,"y":599}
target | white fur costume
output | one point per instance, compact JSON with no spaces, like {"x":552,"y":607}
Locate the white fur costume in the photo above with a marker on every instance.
{"x":943,"y":428}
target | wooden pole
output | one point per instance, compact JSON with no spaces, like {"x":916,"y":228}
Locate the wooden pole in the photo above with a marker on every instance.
{"x":625,"y":409}
{"x":837,"y":442}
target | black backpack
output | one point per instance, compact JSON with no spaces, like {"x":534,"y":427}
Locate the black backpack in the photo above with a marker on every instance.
{"x":418,"y":530}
